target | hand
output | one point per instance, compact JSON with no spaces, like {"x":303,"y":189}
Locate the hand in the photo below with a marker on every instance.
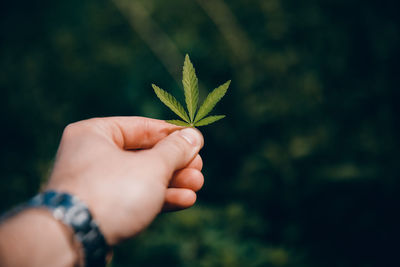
{"x":128,"y":169}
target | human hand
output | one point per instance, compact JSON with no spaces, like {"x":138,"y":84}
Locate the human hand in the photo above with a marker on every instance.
{"x":128,"y":169}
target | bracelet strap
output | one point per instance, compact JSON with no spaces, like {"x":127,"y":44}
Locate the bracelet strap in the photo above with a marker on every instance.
{"x":75,"y":214}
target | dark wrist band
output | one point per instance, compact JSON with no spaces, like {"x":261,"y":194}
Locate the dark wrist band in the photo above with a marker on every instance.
{"x":76,"y":215}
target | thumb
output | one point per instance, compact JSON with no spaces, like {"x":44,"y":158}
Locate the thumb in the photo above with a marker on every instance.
{"x":178,"y":149}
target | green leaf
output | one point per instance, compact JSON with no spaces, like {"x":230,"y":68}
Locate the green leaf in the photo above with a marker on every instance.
{"x":191,"y":87}
{"x":212,"y":99}
{"x":209,"y":120}
{"x":171,"y":102}
{"x":179,"y":123}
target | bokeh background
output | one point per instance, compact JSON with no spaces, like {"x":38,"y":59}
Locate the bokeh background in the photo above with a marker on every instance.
{"x":304,"y":171}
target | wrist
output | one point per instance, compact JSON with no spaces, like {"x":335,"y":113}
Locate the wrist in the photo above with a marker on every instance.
{"x":75,"y":215}
{"x":50,"y":242}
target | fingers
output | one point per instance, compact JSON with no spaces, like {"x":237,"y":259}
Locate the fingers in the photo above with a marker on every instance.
{"x":133,"y":132}
{"x":178,"y":199}
{"x":181,"y":194}
{"x":188,"y":178}
{"x":177,"y":150}
{"x":196,"y":163}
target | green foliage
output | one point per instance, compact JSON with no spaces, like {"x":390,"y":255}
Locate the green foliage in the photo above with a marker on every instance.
{"x":171,"y":102}
{"x":212,"y":99}
{"x":209,"y":120}
{"x":203,"y":122}
{"x":191,"y":89}
{"x":179,"y":123}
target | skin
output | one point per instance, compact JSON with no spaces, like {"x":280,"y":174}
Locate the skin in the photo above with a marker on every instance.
{"x":126,"y":169}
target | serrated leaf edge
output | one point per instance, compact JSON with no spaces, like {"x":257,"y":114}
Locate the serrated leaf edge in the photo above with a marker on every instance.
{"x":179,"y":123}
{"x":211,"y":100}
{"x":171,"y":102}
{"x":190,"y":86}
{"x":208,"y":120}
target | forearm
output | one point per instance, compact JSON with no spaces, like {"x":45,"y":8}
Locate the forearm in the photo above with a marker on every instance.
{"x":34,"y":238}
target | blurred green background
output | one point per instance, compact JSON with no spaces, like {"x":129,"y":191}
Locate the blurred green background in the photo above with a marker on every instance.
{"x":304,"y":171}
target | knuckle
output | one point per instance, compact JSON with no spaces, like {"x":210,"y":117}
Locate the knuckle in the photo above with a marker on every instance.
{"x":195,"y":179}
{"x":200,"y":182}
{"x":178,"y":147}
{"x":175,"y":152}
{"x":160,"y":167}
{"x":70,"y":129}
{"x":80,"y":127}
{"x":197,"y":163}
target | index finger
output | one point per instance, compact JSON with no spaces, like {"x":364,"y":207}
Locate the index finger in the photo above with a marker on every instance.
{"x":137,"y":132}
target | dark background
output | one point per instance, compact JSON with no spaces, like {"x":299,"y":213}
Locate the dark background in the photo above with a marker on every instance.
{"x":304,"y":171}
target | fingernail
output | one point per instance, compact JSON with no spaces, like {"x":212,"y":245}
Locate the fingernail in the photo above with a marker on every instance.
{"x":191,"y":136}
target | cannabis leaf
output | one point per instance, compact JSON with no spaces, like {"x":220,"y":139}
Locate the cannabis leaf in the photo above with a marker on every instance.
{"x":211,"y":100}
{"x":190,"y":86}
{"x":171,"y":102}
{"x":191,"y":90}
{"x":209,"y":120}
{"x":179,"y":123}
